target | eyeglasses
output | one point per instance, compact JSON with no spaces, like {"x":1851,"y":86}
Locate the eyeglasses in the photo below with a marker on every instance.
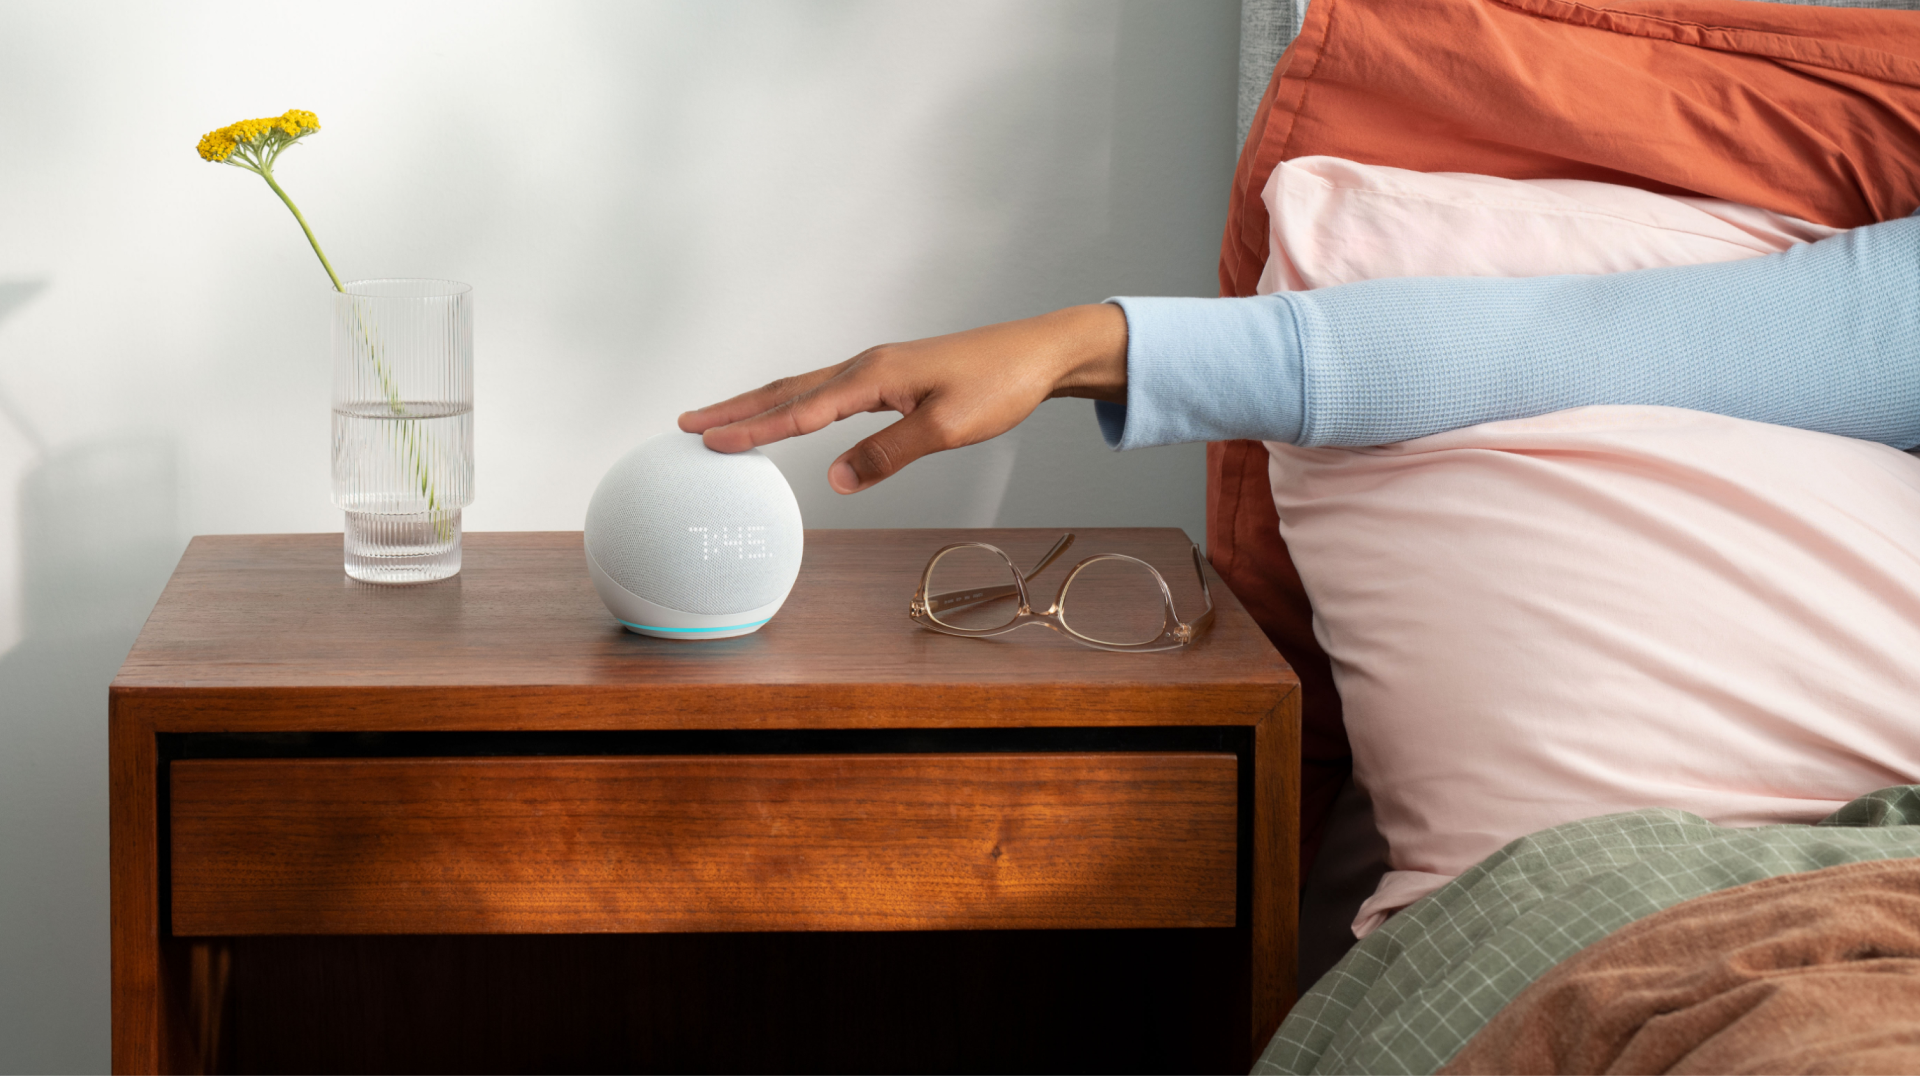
{"x":1112,"y":602}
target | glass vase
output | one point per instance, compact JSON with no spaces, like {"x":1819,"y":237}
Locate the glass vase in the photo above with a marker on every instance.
{"x":402,"y":425}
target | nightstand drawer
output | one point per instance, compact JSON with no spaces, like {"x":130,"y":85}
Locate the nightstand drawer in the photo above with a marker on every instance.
{"x":710,"y":843}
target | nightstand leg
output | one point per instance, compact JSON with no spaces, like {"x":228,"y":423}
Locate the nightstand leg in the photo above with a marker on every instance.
{"x":1276,"y":873}
{"x":209,"y":980}
{"x":151,"y":1029}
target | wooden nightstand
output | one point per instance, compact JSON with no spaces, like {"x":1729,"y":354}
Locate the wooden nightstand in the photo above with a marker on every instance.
{"x":475,"y":826}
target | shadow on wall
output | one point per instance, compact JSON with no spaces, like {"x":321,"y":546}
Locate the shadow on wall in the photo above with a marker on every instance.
{"x":98,"y":538}
{"x":1166,"y":207}
{"x":1151,"y":204}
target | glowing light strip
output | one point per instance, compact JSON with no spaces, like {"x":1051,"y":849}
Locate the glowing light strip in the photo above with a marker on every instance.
{"x":693,"y":629}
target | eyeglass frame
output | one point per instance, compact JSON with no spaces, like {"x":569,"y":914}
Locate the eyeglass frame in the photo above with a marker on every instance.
{"x":1173,"y":634}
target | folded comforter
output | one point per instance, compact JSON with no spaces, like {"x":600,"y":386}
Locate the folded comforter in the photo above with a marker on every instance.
{"x":1627,"y":943}
{"x":1806,"y":973}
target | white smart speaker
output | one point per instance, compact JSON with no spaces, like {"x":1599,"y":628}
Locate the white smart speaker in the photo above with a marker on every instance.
{"x":684,"y":542}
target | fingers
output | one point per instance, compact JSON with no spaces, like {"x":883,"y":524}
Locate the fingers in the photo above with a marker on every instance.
{"x":951,"y":391}
{"x":846,"y":392}
{"x":889,"y":450}
{"x":754,"y":402}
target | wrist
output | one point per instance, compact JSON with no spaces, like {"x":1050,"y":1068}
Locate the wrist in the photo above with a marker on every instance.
{"x":1093,"y":339}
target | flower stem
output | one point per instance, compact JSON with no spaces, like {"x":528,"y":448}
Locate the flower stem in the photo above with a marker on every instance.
{"x":267,"y":175}
{"x":414,"y":441}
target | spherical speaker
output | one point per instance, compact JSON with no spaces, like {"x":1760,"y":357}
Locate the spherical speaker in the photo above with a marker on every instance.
{"x":683,"y":542}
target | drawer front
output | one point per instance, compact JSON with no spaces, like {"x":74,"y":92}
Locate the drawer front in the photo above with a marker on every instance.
{"x":638,"y":844}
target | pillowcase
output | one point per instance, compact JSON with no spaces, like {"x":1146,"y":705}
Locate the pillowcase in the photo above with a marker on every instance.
{"x":1599,"y":610}
{"x":1333,"y":221}
{"x":1816,"y":112}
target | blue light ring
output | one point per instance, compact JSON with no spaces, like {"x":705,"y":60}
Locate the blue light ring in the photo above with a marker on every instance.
{"x":695,"y":629}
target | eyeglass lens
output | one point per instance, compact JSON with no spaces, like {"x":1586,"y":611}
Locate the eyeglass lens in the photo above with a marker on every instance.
{"x":1114,"y":602}
{"x":972,"y":588}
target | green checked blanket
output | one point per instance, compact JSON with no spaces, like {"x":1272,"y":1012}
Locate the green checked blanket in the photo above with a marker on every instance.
{"x":1411,"y":995}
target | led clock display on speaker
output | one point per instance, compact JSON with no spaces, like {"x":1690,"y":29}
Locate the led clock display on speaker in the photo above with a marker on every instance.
{"x":732,"y":542}
{"x":686,"y":543}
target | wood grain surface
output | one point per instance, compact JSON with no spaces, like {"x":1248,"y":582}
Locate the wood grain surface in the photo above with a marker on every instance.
{"x":621,"y":844}
{"x":143,"y":1023}
{"x":264,"y":632}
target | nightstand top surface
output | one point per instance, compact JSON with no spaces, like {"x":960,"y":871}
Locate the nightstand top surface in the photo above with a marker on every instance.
{"x":273,"y":618}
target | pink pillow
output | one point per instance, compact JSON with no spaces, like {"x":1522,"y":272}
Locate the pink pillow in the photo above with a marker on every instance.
{"x":1332,"y":221}
{"x":1602,"y":609}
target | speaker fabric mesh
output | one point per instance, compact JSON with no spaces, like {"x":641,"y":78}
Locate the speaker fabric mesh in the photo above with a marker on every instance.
{"x":707,"y":533}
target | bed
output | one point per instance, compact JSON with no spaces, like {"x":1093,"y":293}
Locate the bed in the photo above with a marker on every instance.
{"x":1468,"y":977}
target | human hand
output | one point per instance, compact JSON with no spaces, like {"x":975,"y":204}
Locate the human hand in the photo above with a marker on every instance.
{"x":950,"y":391}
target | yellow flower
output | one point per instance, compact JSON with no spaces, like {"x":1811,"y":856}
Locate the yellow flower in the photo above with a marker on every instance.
{"x":298,"y":122}
{"x":216,"y":145}
{"x":268,"y":135}
{"x":254,"y":145}
{"x":248,"y":131}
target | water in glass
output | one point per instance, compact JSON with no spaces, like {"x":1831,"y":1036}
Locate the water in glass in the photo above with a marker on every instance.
{"x":403,"y":426}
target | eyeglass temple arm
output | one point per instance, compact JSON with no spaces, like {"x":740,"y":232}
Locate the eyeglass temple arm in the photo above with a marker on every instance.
{"x":1200,"y":571}
{"x":967,"y":597}
{"x":1201,"y":624}
{"x":1058,"y":549}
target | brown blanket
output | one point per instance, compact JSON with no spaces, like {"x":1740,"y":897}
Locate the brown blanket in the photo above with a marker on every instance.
{"x":1806,"y":973}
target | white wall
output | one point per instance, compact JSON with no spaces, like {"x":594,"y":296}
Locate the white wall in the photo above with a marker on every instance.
{"x":658,"y":205}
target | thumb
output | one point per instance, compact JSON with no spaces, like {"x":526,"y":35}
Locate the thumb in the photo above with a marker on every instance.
{"x":889,"y":450}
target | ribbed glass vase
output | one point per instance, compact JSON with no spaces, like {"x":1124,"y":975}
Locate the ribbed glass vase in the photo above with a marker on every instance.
{"x":403,"y":425}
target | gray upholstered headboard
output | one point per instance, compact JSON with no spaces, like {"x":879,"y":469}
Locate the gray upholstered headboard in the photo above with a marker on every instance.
{"x":1265,"y":28}
{"x":1267,"y":25}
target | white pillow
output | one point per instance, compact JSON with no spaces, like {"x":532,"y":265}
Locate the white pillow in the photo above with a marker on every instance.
{"x":1598,"y":610}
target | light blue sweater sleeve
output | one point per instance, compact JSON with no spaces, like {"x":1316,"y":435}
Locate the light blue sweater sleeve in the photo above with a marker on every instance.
{"x":1824,"y":336}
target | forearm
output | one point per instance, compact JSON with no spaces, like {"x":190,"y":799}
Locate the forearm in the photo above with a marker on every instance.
{"x":1824,"y":336}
